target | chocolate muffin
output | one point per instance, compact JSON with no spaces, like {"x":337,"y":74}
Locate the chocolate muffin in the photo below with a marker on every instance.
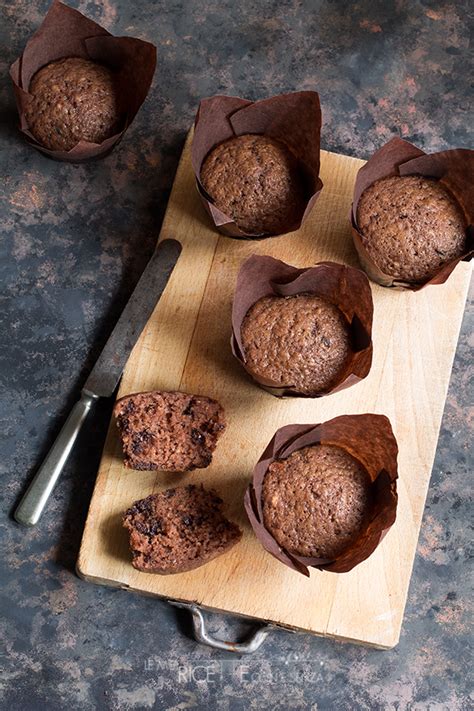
{"x":171,"y":431}
{"x":257,"y":181}
{"x":317,"y":501}
{"x":411,"y":226}
{"x":300,"y":341}
{"x":178,"y":530}
{"x":73,"y":100}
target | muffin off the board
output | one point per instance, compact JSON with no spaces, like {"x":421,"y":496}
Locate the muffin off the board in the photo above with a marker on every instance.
{"x":299,"y":341}
{"x":73,"y":100}
{"x":178,"y":530}
{"x":257,"y":181}
{"x":316,"y":501}
{"x":171,"y":431}
{"x":410,"y":226}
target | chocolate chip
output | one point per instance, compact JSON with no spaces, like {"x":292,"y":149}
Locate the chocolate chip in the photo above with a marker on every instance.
{"x":129,"y":407}
{"x":206,"y":458}
{"x":143,"y":506}
{"x":197,"y":436}
{"x":211,"y":426}
{"x":136,"y":446}
{"x":188,"y":410}
{"x":124,"y":424}
{"x":141,"y":527}
{"x":139,"y":439}
{"x":156,"y":527}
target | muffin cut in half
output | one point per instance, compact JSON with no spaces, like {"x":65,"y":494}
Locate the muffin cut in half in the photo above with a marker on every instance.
{"x":171,"y":431}
{"x":178,"y":530}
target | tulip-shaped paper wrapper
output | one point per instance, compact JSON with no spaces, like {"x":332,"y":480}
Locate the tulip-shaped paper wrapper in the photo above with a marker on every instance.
{"x":345,"y":287}
{"x":293,"y":119}
{"x":67,"y":33}
{"x":368,"y":438}
{"x":453,"y":168}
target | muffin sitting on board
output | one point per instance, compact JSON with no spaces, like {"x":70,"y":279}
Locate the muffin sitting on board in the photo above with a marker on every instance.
{"x":169,"y":431}
{"x":178,"y":530}
{"x":411,"y":226}
{"x":316,"y":502}
{"x":73,"y":100}
{"x":413,"y":214}
{"x":257,"y":163}
{"x":302,"y":332}
{"x":324,"y":495}
{"x":302,"y":340}
{"x":257,"y":181}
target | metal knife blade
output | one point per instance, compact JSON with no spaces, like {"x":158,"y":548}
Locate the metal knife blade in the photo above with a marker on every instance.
{"x":108,"y":368}
{"x":104,"y":377}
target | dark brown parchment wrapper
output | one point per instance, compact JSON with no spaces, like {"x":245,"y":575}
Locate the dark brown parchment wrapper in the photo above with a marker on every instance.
{"x":65,"y":32}
{"x":453,"y":168}
{"x":370,"y":439}
{"x":345,"y":287}
{"x":294,"y":119}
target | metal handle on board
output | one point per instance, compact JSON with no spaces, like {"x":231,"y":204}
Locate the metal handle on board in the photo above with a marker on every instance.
{"x":202,"y":635}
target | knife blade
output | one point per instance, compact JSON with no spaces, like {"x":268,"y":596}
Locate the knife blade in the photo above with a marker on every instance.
{"x":104,"y":376}
{"x":108,"y":368}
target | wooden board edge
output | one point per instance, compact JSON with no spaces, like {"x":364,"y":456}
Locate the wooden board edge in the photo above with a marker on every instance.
{"x":117,"y":585}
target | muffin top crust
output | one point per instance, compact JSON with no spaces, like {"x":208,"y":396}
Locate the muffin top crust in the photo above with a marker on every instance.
{"x":300,"y":341}
{"x":317,"y":501}
{"x":73,"y":100}
{"x":257,"y":181}
{"x":411,"y":226}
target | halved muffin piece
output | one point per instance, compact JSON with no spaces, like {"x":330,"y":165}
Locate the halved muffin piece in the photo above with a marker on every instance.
{"x":178,"y":530}
{"x":172,"y":431}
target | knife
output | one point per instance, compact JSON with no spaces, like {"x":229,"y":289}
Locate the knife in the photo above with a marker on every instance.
{"x":104,"y":377}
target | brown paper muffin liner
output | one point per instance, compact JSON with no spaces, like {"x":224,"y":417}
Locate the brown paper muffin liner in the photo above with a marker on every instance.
{"x":370,"y":439}
{"x":453,"y":168}
{"x":345,"y":287}
{"x":293,"y":119}
{"x":65,"y":32}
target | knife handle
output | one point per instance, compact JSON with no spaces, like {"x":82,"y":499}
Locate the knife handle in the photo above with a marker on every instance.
{"x":33,"y":502}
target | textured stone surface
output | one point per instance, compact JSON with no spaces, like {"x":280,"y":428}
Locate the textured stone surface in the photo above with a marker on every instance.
{"x":74,"y":241}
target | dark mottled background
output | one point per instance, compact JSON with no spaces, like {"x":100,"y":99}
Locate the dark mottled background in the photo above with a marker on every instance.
{"x":74,"y":241}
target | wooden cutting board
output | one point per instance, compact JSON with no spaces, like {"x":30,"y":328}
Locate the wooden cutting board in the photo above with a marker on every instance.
{"x":185,"y":346}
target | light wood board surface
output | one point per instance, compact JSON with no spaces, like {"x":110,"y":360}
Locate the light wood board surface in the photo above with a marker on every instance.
{"x":185,"y":346}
